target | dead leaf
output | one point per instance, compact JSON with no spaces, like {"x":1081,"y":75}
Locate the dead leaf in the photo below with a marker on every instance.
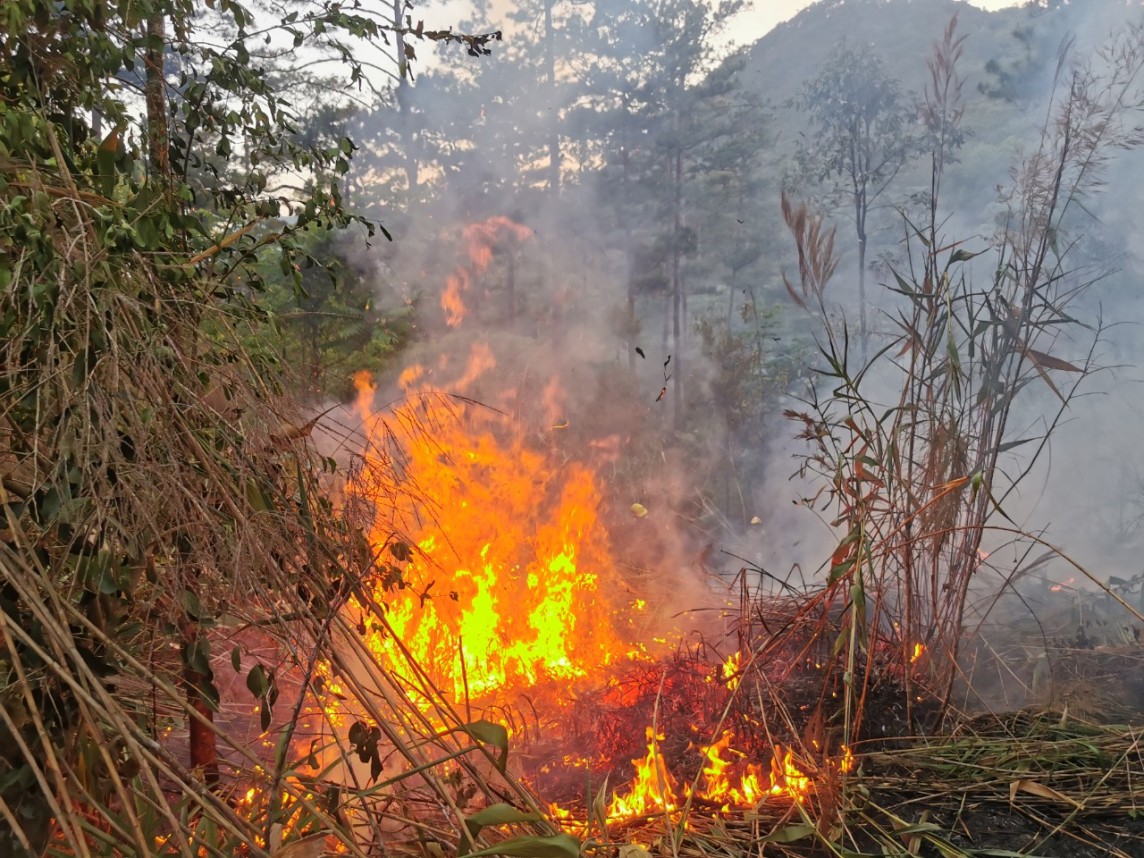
{"x":1050,"y":362}
{"x":1040,"y":790}
{"x":311,"y":846}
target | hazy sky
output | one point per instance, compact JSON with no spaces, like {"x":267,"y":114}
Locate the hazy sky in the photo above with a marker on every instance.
{"x":752,"y":25}
{"x":768,"y":13}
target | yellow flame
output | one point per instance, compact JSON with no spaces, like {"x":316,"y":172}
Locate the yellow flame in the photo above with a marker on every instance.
{"x":731,"y":669}
{"x":653,"y":788}
{"x":786,"y":777}
{"x":502,"y":589}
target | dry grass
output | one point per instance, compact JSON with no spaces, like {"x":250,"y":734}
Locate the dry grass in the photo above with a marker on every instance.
{"x":915,"y":452}
{"x":163,"y":507}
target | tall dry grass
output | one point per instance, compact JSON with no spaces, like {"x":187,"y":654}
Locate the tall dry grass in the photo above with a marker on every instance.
{"x":981,"y":327}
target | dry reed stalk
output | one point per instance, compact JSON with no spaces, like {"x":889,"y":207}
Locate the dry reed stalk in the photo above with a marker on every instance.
{"x":917,"y":482}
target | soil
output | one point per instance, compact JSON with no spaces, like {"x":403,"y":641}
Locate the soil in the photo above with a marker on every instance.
{"x":990,"y":827}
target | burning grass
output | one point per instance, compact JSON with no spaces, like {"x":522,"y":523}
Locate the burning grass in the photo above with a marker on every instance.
{"x":479,"y":642}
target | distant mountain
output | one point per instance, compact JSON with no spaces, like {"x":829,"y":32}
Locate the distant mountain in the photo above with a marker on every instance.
{"x":1009,"y":54}
{"x":901,"y":31}
{"x":1009,"y":65}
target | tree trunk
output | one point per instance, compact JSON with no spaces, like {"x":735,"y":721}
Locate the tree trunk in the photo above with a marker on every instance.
{"x":404,"y":94}
{"x":203,"y":747}
{"x":731,"y":301}
{"x":202,"y":741}
{"x":553,"y":134}
{"x":863,"y":335}
{"x":511,"y":288}
{"x":677,"y":302}
{"x":629,"y":254}
{"x":861,"y":209}
{"x":158,"y":135}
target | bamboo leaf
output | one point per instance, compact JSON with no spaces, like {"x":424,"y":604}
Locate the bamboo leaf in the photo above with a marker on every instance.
{"x":1012,"y":445}
{"x":256,"y":681}
{"x":790,"y":834}
{"x":533,"y":846}
{"x":498,"y":814}
{"x":1041,"y":791}
{"x":960,"y":255}
{"x":1045,"y":377}
{"x":1049,"y":362}
{"x":491,"y":734}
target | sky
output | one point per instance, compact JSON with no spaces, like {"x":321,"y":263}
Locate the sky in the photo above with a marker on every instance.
{"x":761,"y":18}
{"x":767,"y":14}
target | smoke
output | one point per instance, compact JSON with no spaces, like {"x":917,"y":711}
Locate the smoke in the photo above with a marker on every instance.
{"x":549,"y":298}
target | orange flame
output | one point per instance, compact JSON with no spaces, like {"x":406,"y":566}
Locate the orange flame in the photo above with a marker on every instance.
{"x":479,"y":240}
{"x":726,"y":780}
{"x":846,"y":764}
{"x":786,"y":777}
{"x":1067,"y":585}
{"x":652,"y":790}
{"x":919,"y":651}
{"x":499,"y":587}
{"x":720,"y":782}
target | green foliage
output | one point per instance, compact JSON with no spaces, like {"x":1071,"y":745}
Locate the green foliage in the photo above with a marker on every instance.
{"x":147,"y":501}
{"x":322,"y":322}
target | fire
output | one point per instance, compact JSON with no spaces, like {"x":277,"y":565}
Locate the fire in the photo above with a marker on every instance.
{"x":846,"y":764}
{"x":653,"y":789}
{"x":720,"y":784}
{"x":726,"y":780}
{"x":480,"y":239}
{"x":731,"y":668}
{"x":499,"y":587}
{"x":494,"y":573}
{"x":919,"y":651}
{"x":1067,"y":585}
{"x":786,"y":777}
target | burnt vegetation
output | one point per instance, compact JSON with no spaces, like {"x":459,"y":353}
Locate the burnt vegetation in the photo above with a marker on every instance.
{"x":569,"y":435}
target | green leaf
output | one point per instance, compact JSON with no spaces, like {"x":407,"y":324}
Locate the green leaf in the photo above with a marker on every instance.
{"x":256,"y":498}
{"x":256,"y":681}
{"x":236,"y":659}
{"x":960,"y":255}
{"x":533,"y":846}
{"x":192,"y":605}
{"x":839,"y":570}
{"x":498,"y":814}
{"x":491,"y":734}
{"x":790,"y":834}
{"x":1011,"y":445}
{"x":904,"y":287}
{"x":197,"y":657}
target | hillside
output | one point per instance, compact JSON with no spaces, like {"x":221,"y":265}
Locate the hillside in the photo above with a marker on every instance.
{"x":1009,"y":62}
